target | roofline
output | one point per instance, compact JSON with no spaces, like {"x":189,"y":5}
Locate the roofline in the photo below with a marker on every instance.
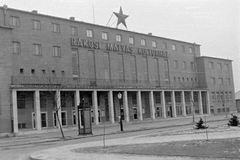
{"x":214,"y":58}
{"x":28,"y":12}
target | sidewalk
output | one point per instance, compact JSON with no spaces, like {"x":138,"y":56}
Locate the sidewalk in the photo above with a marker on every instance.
{"x":67,"y":152}
{"x":72,"y":133}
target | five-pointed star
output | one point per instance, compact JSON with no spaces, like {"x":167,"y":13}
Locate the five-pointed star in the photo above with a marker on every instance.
{"x":121,"y":17}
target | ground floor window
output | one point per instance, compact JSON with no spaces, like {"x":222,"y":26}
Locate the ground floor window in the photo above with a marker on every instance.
{"x":179,"y":110}
{"x":64,"y":118}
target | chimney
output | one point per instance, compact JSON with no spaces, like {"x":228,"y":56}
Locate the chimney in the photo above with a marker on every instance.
{"x":72,"y":18}
{"x":150,"y":34}
{"x":34,"y":11}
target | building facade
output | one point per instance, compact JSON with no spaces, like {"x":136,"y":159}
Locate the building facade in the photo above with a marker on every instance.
{"x":50,"y":62}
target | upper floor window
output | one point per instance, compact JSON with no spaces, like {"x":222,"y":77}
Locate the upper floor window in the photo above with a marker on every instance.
{"x":36,"y":24}
{"x":14,"y":21}
{"x":89,"y":33}
{"x":143,"y":42}
{"x":131,"y":40}
{"x":16,"y":47}
{"x":55,"y":27}
{"x":174,"y":48}
{"x":175,"y":64}
{"x":37,"y":49}
{"x":226,"y":67}
{"x":56,"y":51}
{"x":105,"y":35}
{"x":192,"y":65}
{"x":220,"y":81}
{"x":184,"y":63}
{"x":164,"y":45}
{"x":183,"y":49}
{"x":74,"y":31}
{"x":154,"y":44}
{"x":190,"y":50}
{"x":228,"y":81}
{"x":118,"y":38}
{"x":219,"y":66}
{"x":212,"y":79}
{"x":211,"y":65}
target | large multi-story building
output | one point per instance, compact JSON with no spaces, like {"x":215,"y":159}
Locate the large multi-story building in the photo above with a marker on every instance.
{"x":157,"y":77}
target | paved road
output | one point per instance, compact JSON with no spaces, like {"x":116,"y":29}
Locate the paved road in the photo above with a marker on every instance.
{"x":22,"y":152}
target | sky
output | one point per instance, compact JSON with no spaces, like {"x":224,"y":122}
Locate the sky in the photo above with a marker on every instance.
{"x":214,"y":24}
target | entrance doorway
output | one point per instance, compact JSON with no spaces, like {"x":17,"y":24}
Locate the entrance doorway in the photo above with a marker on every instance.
{"x":169,"y":111}
{"x":158,"y":111}
{"x":43,"y":120}
{"x":135,"y":113}
{"x":122,"y":113}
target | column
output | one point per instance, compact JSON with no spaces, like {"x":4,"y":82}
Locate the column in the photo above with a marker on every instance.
{"x":152,"y":107}
{"x":58,"y":103}
{"x":95,"y":107}
{"x":200,"y":102}
{"x":37,"y":110}
{"x":15,"y":111}
{"x":125,"y":105}
{"x":183,"y":104}
{"x":163,"y":104}
{"x":192,"y":101}
{"x":208,"y":102}
{"x":110,"y":105}
{"x":139,"y":104}
{"x":174,"y":104}
{"x":77,"y":102}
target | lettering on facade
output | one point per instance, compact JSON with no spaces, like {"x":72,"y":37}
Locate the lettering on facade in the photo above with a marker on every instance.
{"x":77,"y":42}
{"x":119,"y":48}
{"x":151,"y":52}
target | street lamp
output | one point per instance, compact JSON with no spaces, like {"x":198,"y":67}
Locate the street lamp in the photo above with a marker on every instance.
{"x":120,"y":117}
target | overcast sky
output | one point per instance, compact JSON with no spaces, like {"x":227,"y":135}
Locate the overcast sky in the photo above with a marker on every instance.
{"x":214,"y":24}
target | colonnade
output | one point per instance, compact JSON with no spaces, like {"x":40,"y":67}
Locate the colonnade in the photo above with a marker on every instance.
{"x":111,"y":104}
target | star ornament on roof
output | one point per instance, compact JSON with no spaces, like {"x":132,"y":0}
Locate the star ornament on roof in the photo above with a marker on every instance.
{"x":121,"y":17}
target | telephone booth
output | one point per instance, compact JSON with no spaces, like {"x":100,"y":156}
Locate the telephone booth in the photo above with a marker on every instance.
{"x":85,"y":111}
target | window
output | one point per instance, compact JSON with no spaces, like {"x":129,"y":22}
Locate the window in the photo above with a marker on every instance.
{"x":217,"y":96}
{"x":226,"y":96}
{"x":121,"y":67}
{"x":211,"y":65}
{"x":174,"y":78}
{"x":56,"y":28}
{"x":230,"y":96}
{"x":212,"y":79}
{"x":179,"y":79}
{"x":145,"y":69}
{"x":43,"y":72}
{"x":183,"y":79}
{"x":89,"y":33}
{"x":21,"y":97}
{"x":228,"y":81}
{"x":63,"y":73}
{"x":143,"y":42}
{"x":192,"y":65}
{"x":164,"y":45}
{"x":220,"y":81}
{"x":175,"y":64}
{"x":118,"y":38}
{"x":183,"y":49}
{"x":174,"y":48}
{"x":75,"y":63}
{"x":16,"y":47}
{"x":53,"y":72}
{"x":106,"y":66}
{"x":213,"y":97}
{"x":156,"y":69}
{"x":74,"y":31}
{"x":131,"y":40}
{"x":56,"y":51}
{"x":184,"y":65}
{"x":36,"y":25}
{"x":190,"y":50}
{"x":154,"y":44}
{"x":219,"y":66}
{"x":226,"y":67}
{"x":37,"y":49}
{"x":32,"y":71}
{"x":219,"y":110}
{"x":105,"y":35}
{"x":21,"y":71}
{"x":133,"y":68}
{"x":14,"y":21}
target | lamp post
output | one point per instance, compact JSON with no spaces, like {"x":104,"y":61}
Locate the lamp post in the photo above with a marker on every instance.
{"x":120,"y":117}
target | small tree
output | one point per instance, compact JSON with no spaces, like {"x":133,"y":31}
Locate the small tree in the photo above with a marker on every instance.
{"x":200,"y":125}
{"x":233,"y":121}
